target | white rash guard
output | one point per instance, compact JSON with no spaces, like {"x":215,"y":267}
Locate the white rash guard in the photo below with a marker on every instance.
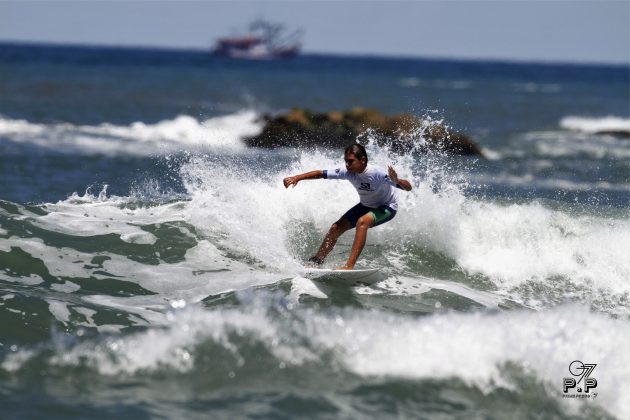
{"x":373,"y":185}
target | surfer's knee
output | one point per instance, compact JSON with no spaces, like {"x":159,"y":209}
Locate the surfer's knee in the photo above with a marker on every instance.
{"x":365,"y":222}
{"x":340,"y":226}
{"x":336,"y":228}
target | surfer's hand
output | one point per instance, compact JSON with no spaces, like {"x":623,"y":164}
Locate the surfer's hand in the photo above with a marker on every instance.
{"x":290,"y":180}
{"x":392,"y":174}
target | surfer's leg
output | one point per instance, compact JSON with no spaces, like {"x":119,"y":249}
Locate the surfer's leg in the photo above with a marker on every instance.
{"x":363,"y":224}
{"x":335,"y":231}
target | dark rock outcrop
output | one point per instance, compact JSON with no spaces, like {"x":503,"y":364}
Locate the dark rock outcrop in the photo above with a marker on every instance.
{"x":403,"y":132}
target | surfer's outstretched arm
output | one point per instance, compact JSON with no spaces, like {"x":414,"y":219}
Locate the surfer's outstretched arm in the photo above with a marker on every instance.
{"x":293,"y":180}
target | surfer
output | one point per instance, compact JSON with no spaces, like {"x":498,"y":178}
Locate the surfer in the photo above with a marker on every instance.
{"x":378,"y":202}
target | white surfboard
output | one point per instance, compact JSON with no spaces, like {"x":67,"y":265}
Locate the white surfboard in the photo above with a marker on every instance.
{"x":347,"y":277}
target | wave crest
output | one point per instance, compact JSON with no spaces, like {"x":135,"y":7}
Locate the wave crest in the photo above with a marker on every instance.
{"x":137,"y":139}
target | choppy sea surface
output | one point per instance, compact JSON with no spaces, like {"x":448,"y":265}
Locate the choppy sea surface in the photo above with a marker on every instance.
{"x":150,"y":261}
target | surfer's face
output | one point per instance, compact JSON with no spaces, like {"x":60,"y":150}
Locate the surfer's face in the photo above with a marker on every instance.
{"x":353,"y":164}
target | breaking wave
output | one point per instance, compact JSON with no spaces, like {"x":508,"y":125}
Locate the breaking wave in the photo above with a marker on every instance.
{"x":138,"y":139}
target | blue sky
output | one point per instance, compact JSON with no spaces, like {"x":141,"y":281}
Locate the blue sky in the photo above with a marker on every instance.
{"x":552,"y":30}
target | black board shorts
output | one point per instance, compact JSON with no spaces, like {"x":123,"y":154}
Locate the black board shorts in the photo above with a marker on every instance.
{"x":382,"y":214}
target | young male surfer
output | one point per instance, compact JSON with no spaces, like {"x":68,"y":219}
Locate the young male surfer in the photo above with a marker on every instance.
{"x":378,"y":201}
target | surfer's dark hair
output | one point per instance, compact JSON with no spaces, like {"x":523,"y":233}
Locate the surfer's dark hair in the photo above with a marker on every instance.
{"x":357,"y":150}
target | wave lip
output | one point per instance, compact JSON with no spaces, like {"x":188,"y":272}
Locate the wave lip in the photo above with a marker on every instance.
{"x":138,"y":139}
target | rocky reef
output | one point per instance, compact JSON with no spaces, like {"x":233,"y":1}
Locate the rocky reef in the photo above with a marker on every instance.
{"x":402,"y":132}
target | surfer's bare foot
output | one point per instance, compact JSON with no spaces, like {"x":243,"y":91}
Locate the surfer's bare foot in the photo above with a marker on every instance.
{"x":345,"y":267}
{"x":314,"y":262}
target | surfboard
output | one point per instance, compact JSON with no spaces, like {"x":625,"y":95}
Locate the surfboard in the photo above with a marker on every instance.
{"x":347,"y":277}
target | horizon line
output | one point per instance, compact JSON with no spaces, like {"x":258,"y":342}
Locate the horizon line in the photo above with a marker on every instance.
{"x":401,"y":56}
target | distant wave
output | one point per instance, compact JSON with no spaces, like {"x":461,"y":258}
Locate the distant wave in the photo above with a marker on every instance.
{"x":414,"y":82}
{"x":562,"y":144}
{"x":544,"y":183}
{"x":181,"y":133}
{"x":596,"y":125}
{"x":537,"y":87}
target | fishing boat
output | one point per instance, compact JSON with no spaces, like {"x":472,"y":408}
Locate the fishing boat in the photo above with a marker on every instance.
{"x":263,"y":41}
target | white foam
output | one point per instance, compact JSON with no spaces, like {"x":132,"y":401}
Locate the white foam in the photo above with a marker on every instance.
{"x":475,"y":347}
{"x":559,"y":143}
{"x":576,"y":145}
{"x":596,"y":124}
{"x":181,"y":133}
{"x":144,"y":238}
{"x":523,"y":244}
{"x":88,"y":314}
{"x":59,"y":310}
{"x":532,"y":181}
{"x":65,"y":287}
{"x":491,"y":154}
{"x":250,"y":215}
{"x":516,"y":244}
{"x":173,"y":346}
{"x":30,"y":280}
{"x":303,"y":286}
{"x":555,"y":144}
{"x":90,"y":215}
{"x":204,"y":271}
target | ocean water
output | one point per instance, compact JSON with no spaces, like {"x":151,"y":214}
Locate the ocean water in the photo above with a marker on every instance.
{"x":149,"y":260}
